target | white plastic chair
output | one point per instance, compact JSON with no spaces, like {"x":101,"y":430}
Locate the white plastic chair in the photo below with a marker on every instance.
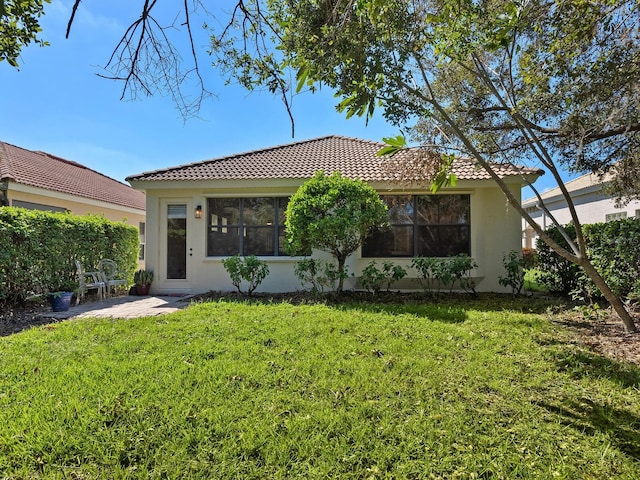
{"x":88,"y":281}
{"x":110,"y":275}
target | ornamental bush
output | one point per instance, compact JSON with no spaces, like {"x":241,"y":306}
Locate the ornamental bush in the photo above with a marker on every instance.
{"x":250,"y":270}
{"x":613,"y":249}
{"x":333,"y":214}
{"x":374,"y":278}
{"x":445,"y":272}
{"x":38,"y":249}
{"x":556,"y":273}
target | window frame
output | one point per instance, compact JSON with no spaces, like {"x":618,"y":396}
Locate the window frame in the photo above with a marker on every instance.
{"x":276,"y":226}
{"x":418,"y":226}
{"x":612,"y":217}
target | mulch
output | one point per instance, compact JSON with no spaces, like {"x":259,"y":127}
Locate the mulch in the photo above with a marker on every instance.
{"x":602,"y":333}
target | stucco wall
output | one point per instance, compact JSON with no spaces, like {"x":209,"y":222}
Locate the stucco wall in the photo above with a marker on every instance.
{"x":591,"y":207}
{"x":495,"y":230}
{"x":76,"y":205}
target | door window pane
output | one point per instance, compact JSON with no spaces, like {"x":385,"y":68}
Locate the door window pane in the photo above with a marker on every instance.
{"x":177,"y":241}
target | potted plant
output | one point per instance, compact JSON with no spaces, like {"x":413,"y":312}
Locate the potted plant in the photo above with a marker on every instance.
{"x":143,"y":278}
{"x":60,"y":296}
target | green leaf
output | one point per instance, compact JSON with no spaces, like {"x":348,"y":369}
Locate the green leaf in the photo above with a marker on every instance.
{"x":302,"y":76}
{"x":394,"y":145}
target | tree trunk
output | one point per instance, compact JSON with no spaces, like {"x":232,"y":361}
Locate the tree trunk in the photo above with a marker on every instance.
{"x":611,"y":297}
{"x":341,"y":261}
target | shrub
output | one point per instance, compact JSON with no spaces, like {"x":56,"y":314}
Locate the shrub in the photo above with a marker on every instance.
{"x":319,"y":274}
{"x":445,"y":272}
{"x":514,"y":265}
{"x":373,"y":278}
{"x":38,"y":249}
{"x":556,"y":273}
{"x":333,"y":214}
{"x":249,"y":269}
{"x":613,"y":250}
{"x":425,"y":267}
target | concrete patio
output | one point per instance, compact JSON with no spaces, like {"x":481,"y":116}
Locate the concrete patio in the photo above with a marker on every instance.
{"x":123,"y":307}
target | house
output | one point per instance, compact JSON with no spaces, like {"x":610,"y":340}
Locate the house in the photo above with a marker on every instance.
{"x":41,"y":181}
{"x":592,"y":203}
{"x":200,"y":213}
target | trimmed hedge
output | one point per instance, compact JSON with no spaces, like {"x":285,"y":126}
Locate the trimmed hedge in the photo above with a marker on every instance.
{"x":38,"y":249}
{"x":614,"y":251}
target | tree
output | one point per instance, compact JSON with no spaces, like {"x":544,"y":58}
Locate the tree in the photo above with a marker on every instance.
{"x":538,"y":81}
{"x":145,"y":59}
{"x":333,"y":214}
{"x":19,"y":26}
{"x":502,"y":82}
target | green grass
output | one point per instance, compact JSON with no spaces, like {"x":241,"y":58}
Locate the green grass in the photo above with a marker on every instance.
{"x":532,"y":282}
{"x":461,"y":389}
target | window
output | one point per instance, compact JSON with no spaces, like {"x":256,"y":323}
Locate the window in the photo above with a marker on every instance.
{"x":246,"y":226}
{"x":423,"y":226}
{"x":143,"y":239}
{"x":610,"y":217}
{"x":37,"y":206}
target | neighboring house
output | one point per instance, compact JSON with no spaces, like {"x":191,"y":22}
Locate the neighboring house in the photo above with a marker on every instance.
{"x":201,"y":213}
{"x":592,"y":205}
{"x":41,"y":181}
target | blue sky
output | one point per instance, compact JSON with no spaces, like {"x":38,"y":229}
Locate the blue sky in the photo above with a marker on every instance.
{"x":56,"y":103}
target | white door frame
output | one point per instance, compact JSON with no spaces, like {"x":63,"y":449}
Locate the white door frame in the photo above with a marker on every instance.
{"x":177,"y":285}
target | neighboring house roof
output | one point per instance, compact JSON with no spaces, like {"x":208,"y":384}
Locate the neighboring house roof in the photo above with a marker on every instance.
{"x":578,"y":186}
{"x":352,"y":157}
{"x":43,"y":170}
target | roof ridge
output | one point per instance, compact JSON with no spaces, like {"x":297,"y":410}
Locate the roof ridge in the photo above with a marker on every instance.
{"x":44,"y":170}
{"x":250,"y":152}
{"x":75,"y":164}
{"x":63,"y":160}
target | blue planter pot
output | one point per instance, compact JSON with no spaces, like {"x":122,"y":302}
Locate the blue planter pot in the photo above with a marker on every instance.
{"x":60,"y":301}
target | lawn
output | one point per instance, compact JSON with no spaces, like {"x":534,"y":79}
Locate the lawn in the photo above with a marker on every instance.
{"x":448,"y":389}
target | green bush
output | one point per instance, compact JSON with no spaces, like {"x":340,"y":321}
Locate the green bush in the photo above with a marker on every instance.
{"x":514,"y":266}
{"x":333,"y":214}
{"x":319,"y":274}
{"x":613,"y":249}
{"x":249,"y":269}
{"x":373,"y":278}
{"x":556,"y":273}
{"x":38,"y":249}
{"x":445,"y":272}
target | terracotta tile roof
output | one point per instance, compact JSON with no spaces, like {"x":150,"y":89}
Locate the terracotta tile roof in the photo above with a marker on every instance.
{"x":352,"y":157}
{"x":43,"y":170}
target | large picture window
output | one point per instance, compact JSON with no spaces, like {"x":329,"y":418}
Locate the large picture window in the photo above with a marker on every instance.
{"x":423,"y":226}
{"x":246,"y":226}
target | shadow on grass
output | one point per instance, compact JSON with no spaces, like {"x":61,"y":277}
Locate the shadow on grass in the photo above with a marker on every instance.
{"x":620,"y":425}
{"x":582,"y":364}
{"x":443,"y":307}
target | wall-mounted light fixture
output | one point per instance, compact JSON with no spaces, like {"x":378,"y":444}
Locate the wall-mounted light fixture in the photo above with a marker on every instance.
{"x":197,"y":213}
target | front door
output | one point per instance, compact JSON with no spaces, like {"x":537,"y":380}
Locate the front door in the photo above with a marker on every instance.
{"x":175,"y":254}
